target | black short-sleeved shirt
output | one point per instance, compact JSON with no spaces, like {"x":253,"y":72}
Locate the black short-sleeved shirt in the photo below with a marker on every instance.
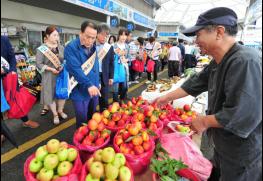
{"x":235,"y":98}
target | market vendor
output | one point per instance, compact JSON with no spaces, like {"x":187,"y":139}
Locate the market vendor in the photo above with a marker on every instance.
{"x":233,"y":81}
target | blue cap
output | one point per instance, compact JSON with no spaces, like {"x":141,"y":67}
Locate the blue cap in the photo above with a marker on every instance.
{"x":215,"y":16}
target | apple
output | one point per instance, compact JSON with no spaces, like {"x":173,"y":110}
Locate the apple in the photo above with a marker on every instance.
{"x":133,"y":130}
{"x":55,"y":177}
{"x":111,"y":124}
{"x":89,"y":178}
{"x":38,"y":176}
{"x":138,"y":149}
{"x":108,"y":155}
{"x":121,"y":122}
{"x":145,"y":136}
{"x":137,"y":140}
{"x":106,"y":113}
{"x":119,"y":160}
{"x":119,"y":140}
{"x":125,"y":149}
{"x":111,"y":172}
{"x":72,"y":154}
{"x":51,"y":161}
{"x":41,"y":153}
{"x":99,"y":141}
{"x":187,"y":107}
{"x":146,"y":145}
{"x":125,"y":174}
{"x":84,"y":130}
{"x":105,"y":133}
{"x":153,"y":119}
{"x":92,"y":124}
{"x":96,"y":170}
{"x":53,"y":146}
{"x":79,"y":136}
{"x":89,"y":162}
{"x":98,"y":155}
{"x":101,"y":126}
{"x":35,"y":165}
{"x":63,"y":144}
{"x":116,"y":104}
{"x":97,"y":117}
{"x":64,"y":168}
{"x":125,"y":135}
{"x":45,"y":174}
{"x":116,"y":116}
{"x":87,"y":141}
{"x":62,"y":154}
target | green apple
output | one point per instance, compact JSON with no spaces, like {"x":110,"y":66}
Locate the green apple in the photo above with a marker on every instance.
{"x":111,"y":172}
{"x":64,"y":168}
{"x":45,"y":174}
{"x":51,"y":161}
{"x":72,"y":154}
{"x":98,"y":155}
{"x":108,"y":155}
{"x":35,"y":165}
{"x":41,"y":153}
{"x":89,"y":178}
{"x":62,"y":154}
{"x":119,"y":160}
{"x":96,"y":170}
{"x":89,"y":162}
{"x":53,"y":146}
{"x":125,"y":174}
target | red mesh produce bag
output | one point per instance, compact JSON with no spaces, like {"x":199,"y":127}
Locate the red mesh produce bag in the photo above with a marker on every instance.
{"x":84,"y":172}
{"x":72,"y":176}
{"x":85,"y":150}
{"x":138,"y":163}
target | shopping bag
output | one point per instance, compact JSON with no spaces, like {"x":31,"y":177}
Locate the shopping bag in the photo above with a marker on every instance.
{"x":62,"y":85}
{"x":150,"y":66}
{"x":182,"y":147}
{"x":119,"y":71}
{"x":4,"y":104}
{"x":138,"y":66}
{"x":19,"y":99}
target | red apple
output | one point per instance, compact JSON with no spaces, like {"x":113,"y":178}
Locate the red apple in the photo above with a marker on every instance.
{"x":111,"y":124}
{"x":138,"y":150}
{"x":101,"y":126}
{"x":146,"y":145}
{"x":84,"y":130}
{"x":187,"y":107}
{"x":121,"y":123}
{"x":125,"y":135}
{"x":99,"y":141}
{"x":118,"y":140}
{"x":92,"y":124}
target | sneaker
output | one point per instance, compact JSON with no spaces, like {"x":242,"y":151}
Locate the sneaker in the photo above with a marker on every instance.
{"x":56,"y":120}
{"x":137,"y":77}
{"x":148,"y":82}
{"x":63,"y":115}
{"x":31,"y":124}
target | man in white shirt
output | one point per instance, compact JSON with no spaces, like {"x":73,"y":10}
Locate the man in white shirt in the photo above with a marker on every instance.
{"x":188,"y":55}
{"x":174,"y":59}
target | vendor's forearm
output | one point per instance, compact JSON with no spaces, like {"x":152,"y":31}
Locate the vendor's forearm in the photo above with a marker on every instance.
{"x":211,"y":122}
{"x":178,"y":93}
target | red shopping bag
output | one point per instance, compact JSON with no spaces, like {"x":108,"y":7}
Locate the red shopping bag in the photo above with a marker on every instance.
{"x":19,"y":99}
{"x":150,"y":66}
{"x":138,"y":66}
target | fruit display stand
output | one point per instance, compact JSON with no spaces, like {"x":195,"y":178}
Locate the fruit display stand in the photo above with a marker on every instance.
{"x":151,"y":96}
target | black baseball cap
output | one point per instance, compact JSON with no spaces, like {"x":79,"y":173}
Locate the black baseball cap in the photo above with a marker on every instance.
{"x":215,"y":16}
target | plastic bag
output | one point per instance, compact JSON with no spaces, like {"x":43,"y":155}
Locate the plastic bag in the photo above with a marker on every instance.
{"x":138,"y":65}
{"x":72,"y":176}
{"x":4,"y":104}
{"x":119,"y":71}
{"x":138,"y":163}
{"x":84,"y":172}
{"x":62,"y":85}
{"x":182,"y":147}
{"x":150,"y":66}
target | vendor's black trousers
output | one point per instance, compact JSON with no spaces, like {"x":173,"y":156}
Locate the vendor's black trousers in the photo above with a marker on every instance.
{"x":173,"y":68}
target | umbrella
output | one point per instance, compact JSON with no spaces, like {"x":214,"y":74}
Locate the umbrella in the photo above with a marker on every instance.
{"x":7,"y":133}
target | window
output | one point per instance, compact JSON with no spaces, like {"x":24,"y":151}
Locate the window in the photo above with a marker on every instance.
{"x":34,"y":41}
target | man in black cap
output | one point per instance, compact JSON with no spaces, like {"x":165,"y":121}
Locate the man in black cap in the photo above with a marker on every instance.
{"x":233,"y":81}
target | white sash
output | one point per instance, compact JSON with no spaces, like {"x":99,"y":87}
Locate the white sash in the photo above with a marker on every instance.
{"x":50,"y":55}
{"x":88,"y":65}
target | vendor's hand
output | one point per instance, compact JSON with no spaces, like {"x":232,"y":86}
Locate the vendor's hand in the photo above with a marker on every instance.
{"x":198,"y":124}
{"x":54,"y":71}
{"x":161,"y":101}
{"x":110,"y":81}
{"x":93,"y":91}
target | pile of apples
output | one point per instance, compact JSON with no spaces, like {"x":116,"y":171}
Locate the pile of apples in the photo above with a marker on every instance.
{"x":178,"y":114}
{"x":108,"y":165}
{"x":115,"y":116}
{"x":182,"y":129}
{"x":53,"y":160}
{"x":94,"y":133}
{"x":133,"y":140}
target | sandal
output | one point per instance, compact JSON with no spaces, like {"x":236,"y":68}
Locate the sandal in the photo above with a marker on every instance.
{"x":31,"y":124}
{"x":44,"y":111}
{"x":56,"y":119}
{"x":62,"y":115}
